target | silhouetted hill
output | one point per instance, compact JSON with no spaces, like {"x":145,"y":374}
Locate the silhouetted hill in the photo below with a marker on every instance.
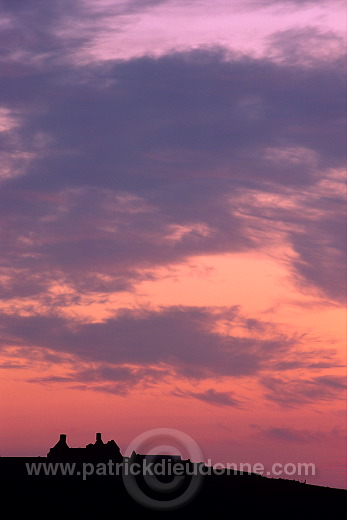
{"x":243,"y":496}
{"x":29,"y":486}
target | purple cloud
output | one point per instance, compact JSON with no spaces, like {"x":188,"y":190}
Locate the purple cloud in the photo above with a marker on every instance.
{"x":296,"y":392}
{"x":294,"y":435}
{"x":147,"y":347}
{"x":212,"y":397}
{"x":123,"y":157}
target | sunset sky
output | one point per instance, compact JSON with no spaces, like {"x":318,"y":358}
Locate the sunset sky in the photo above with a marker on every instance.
{"x":172,"y":226}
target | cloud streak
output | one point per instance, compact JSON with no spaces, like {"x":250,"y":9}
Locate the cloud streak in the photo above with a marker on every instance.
{"x":143,"y":347}
{"x":297,"y":391}
{"x":213,"y":397}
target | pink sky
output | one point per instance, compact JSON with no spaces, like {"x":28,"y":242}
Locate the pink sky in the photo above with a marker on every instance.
{"x":172,"y":193}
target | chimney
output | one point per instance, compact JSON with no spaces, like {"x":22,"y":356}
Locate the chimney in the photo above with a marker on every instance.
{"x":99,"y":439}
{"x":61,"y":444}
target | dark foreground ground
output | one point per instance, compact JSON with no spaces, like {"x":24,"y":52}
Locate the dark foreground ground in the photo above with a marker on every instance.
{"x":217,"y":496}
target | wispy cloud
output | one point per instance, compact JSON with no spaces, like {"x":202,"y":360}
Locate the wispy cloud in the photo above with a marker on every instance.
{"x":298,"y":391}
{"x":299,"y":436}
{"x":143,"y":347}
{"x":213,"y":397}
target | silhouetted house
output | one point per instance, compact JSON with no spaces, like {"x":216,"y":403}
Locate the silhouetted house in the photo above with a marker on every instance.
{"x":104,"y":452}
{"x":61,"y":449}
{"x":99,"y":451}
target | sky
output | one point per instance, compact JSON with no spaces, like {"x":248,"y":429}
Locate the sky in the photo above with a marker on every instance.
{"x":172,"y":226}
